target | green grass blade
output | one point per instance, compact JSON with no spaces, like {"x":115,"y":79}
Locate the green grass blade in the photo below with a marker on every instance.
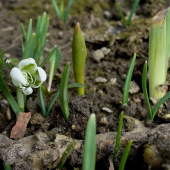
{"x":89,"y":155}
{"x":160,"y":102}
{"x":54,"y":63}
{"x":66,"y":14}
{"x":66,"y":154}
{"x":127,"y":81}
{"x":9,"y":97}
{"x":74,"y":85}
{"x":62,"y":8}
{"x":1,"y":62}
{"x":29,"y":48}
{"x":121,"y":12}
{"x":117,"y":143}
{"x":49,"y":56}
{"x":22,"y":45}
{"x":56,"y":8}
{"x":144,"y":87}
{"x":42,"y":102}
{"x":29,"y":30}
{"x":64,"y":91}
{"x":125,"y":156}
{"x":135,"y":5}
{"x":52,"y":102}
{"x":23,"y":31}
{"x":7,"y":166}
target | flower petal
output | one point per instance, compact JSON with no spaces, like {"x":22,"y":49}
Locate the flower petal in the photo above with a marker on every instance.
{"x":42,"y":74}
{"x":28,"y":65}
{"x":17,"y":77}
{"x":27,"y":91}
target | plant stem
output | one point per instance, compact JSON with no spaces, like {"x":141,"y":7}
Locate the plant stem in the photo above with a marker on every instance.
{"x":20,"y":99}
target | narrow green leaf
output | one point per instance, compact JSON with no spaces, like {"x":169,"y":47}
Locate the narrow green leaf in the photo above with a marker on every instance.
{"x":52,"y":102}
{"x":66,"y":14}
{"x":62,"y":8}
{"x":135,"y":5}
{"x":79,"y":54}
{"x":9,"y":97}
{"x":74,"y":85}
{"x":1,"y":62}
{"x":29,"y":30}
{"x":49,"y":56}
{"x":89,"y":156}
{"x":56,"y":8}
{"x":38,"y":24}
{"x":125,"y":156}
{"x":160,"y":102}
{"x":121,"y":12}
{"x":144,"y":87}
{"x":20,"y":99}
{"x":54,"y":63}
{"x":117,"y":143}
{"x":42,"y":102}
{"x":29,"y":48}
{"x":7,"y":166}
{"x":64,"y":91}
{"x":23,"y":31}
{"x":127,"y":81}
{"x":66,"y":154}
{"x":22,"y":45}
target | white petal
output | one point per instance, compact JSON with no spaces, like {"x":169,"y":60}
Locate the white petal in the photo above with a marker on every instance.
{"x":26,"y":62}
{"x":27,"y":91}
{"x":17,"y":77}
{"x":42,"y":74}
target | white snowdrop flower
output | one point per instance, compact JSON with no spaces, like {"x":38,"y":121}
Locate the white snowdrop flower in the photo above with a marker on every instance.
{"x":27,"y":75}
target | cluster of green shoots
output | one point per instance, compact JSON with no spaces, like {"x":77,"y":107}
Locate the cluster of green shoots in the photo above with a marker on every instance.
{"x":158,"y":64}
{"x":61,"y":12}
{"x":134,"y":7}
{"x":28,"y":73}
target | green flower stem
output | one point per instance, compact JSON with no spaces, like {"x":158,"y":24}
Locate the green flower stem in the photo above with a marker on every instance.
{"x":20,"y":99}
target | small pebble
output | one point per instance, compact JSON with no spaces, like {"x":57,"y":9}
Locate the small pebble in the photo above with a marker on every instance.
{"x":107,"y":15}
{"x":100,"y":92}
{"x":98,"y":55}
{"x":60,"y":35}
{"x":105,"y":50}
{"x":113,"y":81}
{"x":100,"y":80}
{"x":107,"y":109}
{"x":103,"y":121}
{"x":134,"y":88}
{"x":37,"y":119}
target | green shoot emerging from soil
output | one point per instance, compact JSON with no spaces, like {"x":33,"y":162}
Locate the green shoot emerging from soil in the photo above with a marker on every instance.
{"x":117,"y":143}
{"x":79,"y":54}
{"x":60,"y":9}
{"x":125,"y":156}
{"x":127,"y":82}
{"x":127,"y":22}
{"x":89,"y":156}
{"x":161,"y":101}
{"x":159,"y":49}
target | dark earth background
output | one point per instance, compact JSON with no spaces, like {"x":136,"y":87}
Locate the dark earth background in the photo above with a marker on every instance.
{"x":110,"y":47}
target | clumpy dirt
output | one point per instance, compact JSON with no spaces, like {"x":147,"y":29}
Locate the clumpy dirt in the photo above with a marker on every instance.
{"x":110,"y":47}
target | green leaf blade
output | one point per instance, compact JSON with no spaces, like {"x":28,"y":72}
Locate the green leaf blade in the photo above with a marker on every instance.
{"x":127,"y":81}
{"x":9,"y":97}
{"x":64,"y":91}
{"x":144,"y":87}
{"x":125,"y":155}
{"x":89,"y":156}
{"x":118,"y":136}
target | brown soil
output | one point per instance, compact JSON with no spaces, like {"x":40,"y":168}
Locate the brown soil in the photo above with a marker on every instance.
{"x":47,"y":138}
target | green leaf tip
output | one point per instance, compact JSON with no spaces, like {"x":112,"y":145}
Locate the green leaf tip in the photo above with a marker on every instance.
{"x":79,"y":54}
